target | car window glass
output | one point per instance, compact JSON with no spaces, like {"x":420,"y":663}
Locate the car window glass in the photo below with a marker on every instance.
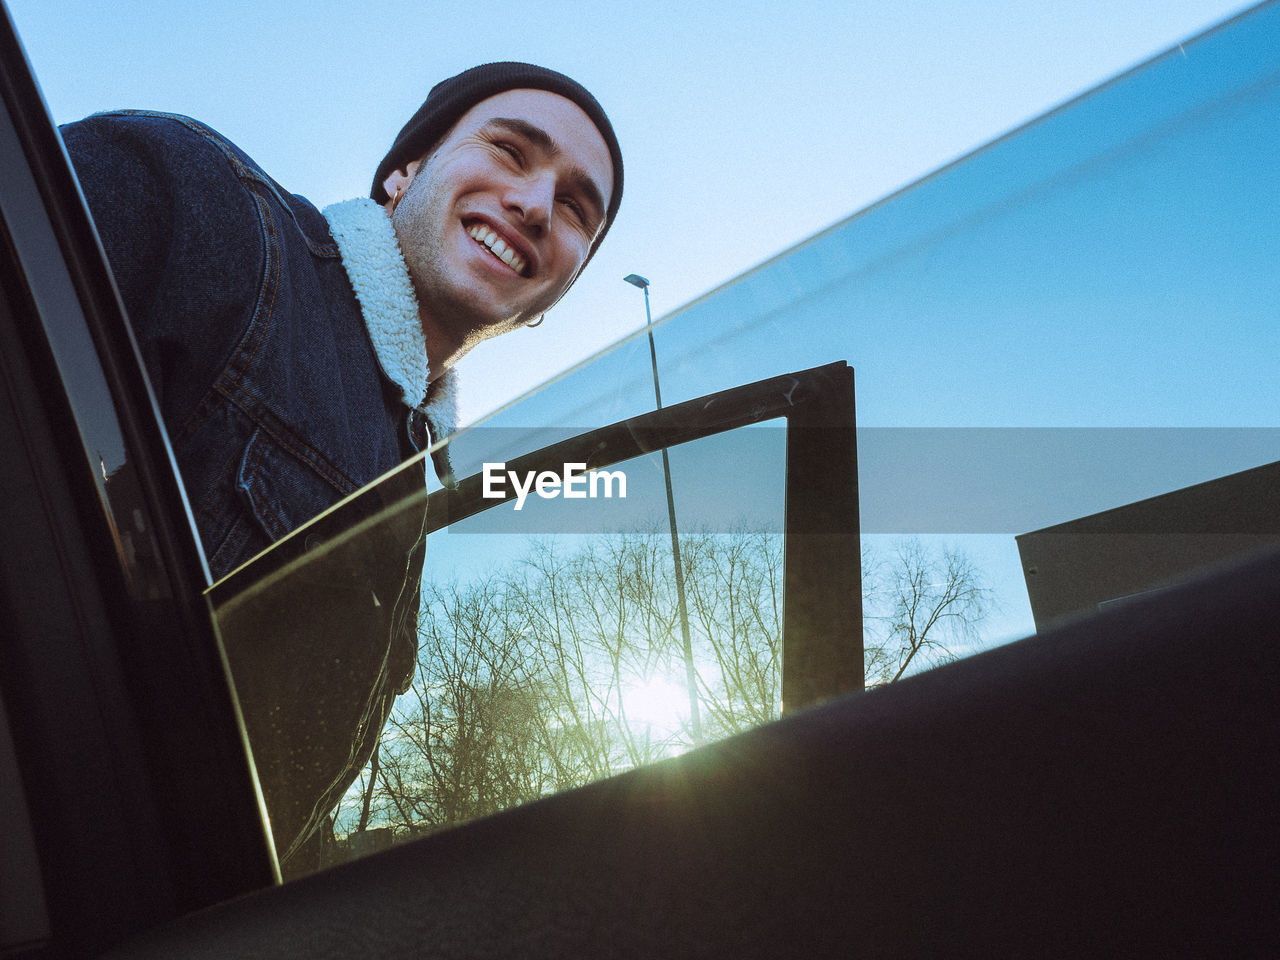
{"x":551,"y":644}
{"x":409,"y":662}
{"x":547,"y":650}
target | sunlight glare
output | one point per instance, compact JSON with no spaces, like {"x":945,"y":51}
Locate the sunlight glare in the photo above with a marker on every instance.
{"x":659,"y":704}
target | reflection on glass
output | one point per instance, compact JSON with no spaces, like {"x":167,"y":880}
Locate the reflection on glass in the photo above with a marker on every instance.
{"x":547,"y":652}
{"x":564,"y":666}
{"x":549,"y":658}
{"x":320,"y":636}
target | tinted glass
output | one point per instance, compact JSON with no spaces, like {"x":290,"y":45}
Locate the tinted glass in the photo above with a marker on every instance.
{"x":421,"y":660}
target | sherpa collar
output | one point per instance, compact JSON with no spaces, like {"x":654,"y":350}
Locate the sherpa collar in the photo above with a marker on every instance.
{"x":371,"y":255}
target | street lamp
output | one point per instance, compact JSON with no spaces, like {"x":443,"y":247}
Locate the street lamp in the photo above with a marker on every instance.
{"x":695,"y":716}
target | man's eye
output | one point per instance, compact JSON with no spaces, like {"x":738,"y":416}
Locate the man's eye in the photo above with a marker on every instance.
{"x":511,"y":150}
{"x":574,"y":207}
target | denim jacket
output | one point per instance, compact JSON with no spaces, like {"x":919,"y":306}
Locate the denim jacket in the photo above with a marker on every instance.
{"x":280,"y":399}
{"x":253,"y":337}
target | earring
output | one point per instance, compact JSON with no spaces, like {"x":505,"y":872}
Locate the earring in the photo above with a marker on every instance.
{"x":395,"y":201}
{"x":538,"y":322}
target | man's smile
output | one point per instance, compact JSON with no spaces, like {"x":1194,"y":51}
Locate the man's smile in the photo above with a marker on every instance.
{"x":497,"y":246}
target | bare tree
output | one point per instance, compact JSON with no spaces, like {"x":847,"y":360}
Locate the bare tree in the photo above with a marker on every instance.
{"x":925,"y":604}
{"x":523,"y":677}
{"x":734,"y":583}
{"x":464,"y":741}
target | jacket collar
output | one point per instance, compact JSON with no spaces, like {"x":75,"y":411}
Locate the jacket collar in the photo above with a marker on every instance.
{"x":371,"y":255}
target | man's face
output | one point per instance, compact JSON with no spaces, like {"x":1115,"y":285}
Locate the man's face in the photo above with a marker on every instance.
{"x":498,"y":219}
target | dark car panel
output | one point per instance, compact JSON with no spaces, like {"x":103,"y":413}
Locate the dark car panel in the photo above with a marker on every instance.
{"x":140,"y":794}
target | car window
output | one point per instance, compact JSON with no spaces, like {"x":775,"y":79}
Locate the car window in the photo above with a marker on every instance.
{"x":409,"y":662}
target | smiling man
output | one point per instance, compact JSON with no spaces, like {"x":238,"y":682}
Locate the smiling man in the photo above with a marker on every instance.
{"x":297,"y":355}
{"x":498,"y":220}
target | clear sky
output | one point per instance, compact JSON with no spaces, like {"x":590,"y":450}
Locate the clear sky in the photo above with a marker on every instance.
{"x":746,"y":127}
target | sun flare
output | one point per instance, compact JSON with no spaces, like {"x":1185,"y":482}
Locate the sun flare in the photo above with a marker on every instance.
{"x":658,"y":704}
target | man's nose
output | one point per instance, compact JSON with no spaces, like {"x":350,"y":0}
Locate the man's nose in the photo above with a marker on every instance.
{"x":532,"y":197}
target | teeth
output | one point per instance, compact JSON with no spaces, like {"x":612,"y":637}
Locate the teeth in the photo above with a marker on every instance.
{"x":496,"y":246}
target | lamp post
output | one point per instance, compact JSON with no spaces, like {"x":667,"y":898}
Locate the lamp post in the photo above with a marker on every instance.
{"x":695,"y":716}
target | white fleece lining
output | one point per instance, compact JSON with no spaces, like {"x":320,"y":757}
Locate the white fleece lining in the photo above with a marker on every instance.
{"x":371,"y":254}
{"x":373,"y":261}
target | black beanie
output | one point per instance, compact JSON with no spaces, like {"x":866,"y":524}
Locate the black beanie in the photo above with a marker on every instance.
{"x":450,"y":99}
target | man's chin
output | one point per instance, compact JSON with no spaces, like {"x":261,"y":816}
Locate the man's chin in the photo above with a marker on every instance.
{"x":469,"y":330}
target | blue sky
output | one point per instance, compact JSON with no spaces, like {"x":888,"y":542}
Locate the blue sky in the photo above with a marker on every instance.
{"x":747,"y":127}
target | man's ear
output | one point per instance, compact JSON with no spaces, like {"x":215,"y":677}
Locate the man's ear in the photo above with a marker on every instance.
{"x":398,"y":182}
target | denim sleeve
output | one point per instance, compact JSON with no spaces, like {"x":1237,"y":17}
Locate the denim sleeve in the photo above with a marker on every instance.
{"x":184,"y":241}
{"x":248,"y":327}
